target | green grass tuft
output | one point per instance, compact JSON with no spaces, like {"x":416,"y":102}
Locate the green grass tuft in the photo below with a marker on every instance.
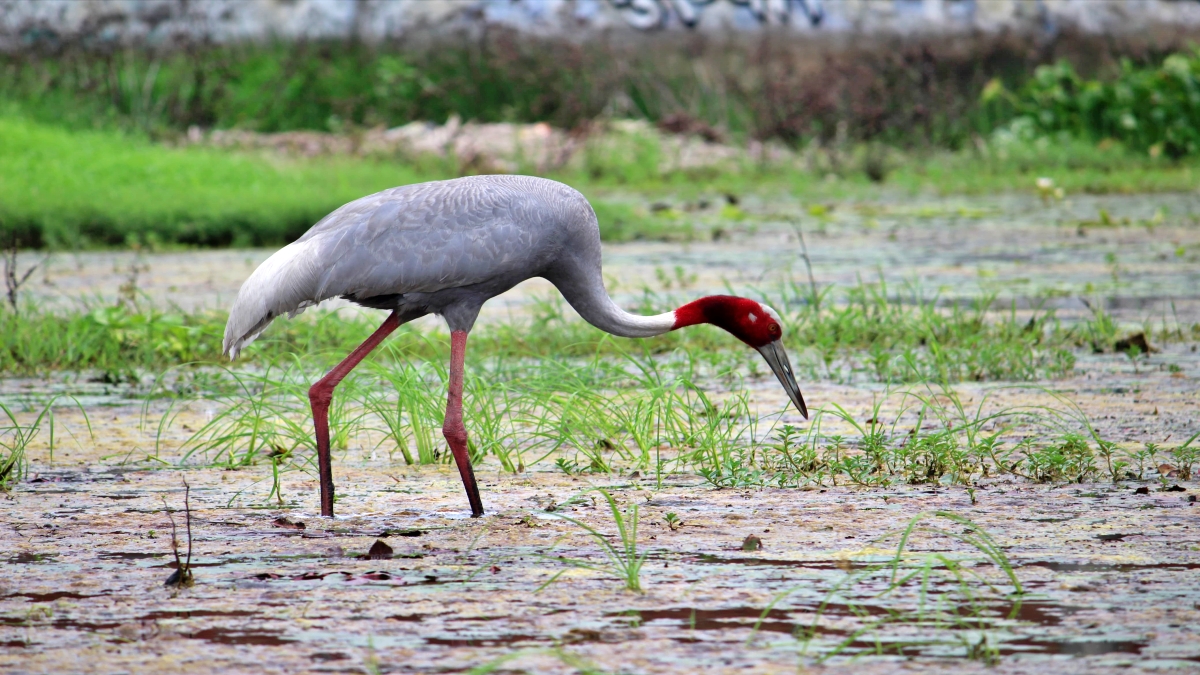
{"x":953,"y":597}
{"x":622,"y":559}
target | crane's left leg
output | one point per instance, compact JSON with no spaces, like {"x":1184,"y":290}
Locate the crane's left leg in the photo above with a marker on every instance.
{"x":453,"y":429}
{"x":321,"y":394}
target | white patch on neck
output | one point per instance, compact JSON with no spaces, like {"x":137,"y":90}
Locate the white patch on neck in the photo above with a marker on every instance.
{"x":753,"y":317}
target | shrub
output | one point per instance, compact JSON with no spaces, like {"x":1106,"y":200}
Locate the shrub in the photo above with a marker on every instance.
{"x":1153,"y":109}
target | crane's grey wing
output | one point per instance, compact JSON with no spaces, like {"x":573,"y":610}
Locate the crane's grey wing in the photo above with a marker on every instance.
{"x":412,"y":239}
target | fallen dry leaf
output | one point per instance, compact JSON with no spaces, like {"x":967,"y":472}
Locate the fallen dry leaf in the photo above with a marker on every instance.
{"x":283,"y":521}
{"x":379,"y":551}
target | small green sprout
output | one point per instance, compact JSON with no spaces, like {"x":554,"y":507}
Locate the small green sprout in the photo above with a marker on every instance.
{"x":673,"y":521}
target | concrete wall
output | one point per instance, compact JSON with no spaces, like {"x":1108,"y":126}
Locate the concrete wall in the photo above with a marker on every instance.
{"x":24,"y":23}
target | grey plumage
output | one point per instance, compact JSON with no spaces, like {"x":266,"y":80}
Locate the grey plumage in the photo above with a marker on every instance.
{"x":445,"y":248}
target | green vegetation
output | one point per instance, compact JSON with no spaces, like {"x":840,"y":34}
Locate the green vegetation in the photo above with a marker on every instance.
{"x":930,"y":435}
{"x":1009,"y":163}
{"x":327,"y":86}
{"x":16,"y":434}
{"x":622,"y":560}
{"x":863,"y":331}
{"x":607,"y":405}
{"x":79,"y":189}
{"x":614,"y":413}
{"x":663,"y":406}
{"x":954,"y":598}
{"x":14,"y":438}
{"x":1151,"y":109}
{"x":73,"y":189}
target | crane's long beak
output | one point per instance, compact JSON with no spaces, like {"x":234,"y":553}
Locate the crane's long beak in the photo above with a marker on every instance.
{"x":778,"y":360}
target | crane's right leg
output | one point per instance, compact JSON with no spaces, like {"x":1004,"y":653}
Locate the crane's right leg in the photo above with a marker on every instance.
{"x":453,"y":429}
{"x":321,"y":393}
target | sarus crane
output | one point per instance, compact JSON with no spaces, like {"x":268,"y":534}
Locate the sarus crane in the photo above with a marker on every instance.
{"x":447,"y":247}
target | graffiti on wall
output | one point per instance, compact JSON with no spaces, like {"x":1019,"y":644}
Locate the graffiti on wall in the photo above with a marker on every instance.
{"x":652,"y":14}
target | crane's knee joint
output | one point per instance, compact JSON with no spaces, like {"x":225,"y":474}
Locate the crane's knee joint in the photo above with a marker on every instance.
{"x":455,"y":435}
{"x":319,"y":394}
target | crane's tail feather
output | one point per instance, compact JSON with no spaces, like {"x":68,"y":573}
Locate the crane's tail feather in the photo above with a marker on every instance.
{"x":286,"y":283}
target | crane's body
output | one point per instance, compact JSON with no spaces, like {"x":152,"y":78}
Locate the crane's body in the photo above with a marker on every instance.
{"x":439,"y":248}
{"x":446,"y":248}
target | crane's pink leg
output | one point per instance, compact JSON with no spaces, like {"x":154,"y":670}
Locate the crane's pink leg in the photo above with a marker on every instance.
{"x":453,"y":429}
{"x":321,"y":393}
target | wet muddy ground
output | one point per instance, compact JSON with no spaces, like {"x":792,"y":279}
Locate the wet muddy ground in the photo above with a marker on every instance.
{"x":1110,"y":571}
{"x":1110,"y":576}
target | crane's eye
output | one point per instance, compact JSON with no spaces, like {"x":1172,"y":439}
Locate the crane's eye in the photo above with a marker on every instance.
{"x":774,"y":329}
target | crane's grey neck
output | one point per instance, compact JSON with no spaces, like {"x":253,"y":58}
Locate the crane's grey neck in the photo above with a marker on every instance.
{"x":610,"y":318}
{"x":587,"y":295}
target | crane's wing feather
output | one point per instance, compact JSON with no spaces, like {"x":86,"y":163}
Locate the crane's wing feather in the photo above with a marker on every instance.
{"x":415,"y":238}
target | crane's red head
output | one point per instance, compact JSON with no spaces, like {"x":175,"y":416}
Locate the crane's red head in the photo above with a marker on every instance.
{"x":751,"y":322}
{"x":748,"y":320}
